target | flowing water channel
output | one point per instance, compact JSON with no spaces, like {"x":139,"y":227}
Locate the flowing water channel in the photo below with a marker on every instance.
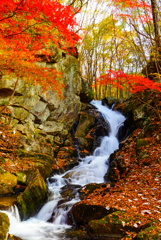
{"x":90,"y":170}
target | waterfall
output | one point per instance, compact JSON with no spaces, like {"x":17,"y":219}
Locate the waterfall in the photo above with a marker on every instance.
{"x":91,"y":169}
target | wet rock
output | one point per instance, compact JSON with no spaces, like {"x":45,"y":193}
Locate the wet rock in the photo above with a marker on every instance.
{"x":127,"y":127}
{"x":69,"y":191}
{"x":83,"y":213}
{"x":11,"y":237}
{"x":4,"y":226}
{"x":31,"y":200}
{"x":71,"y":187}
{"x":110,"y":101}
{"x":86,"y":122}
{"x":116,"y":168}
{"x":7,"y":182}
{"x":73,"y":173}
{"x":6,"y":202}
{"x":90,"y":130}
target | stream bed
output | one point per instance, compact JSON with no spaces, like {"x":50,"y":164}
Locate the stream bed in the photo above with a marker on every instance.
{"x":91,"y":169}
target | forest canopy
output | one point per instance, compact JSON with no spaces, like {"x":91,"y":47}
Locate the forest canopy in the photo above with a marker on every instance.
{"x":121,"y":36}
{"x":116,"y":37}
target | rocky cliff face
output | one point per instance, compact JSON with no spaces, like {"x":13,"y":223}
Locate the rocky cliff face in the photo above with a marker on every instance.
{"x":40,"y":116}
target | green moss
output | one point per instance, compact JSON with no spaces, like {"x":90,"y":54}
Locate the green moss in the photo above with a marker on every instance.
{"x":2,"y":160}
{"x":111,"y":224}
{"x":140,"y":143}
{"x":150,"y":233}
{"x":33,"y":197}
{"x":3,"y":103}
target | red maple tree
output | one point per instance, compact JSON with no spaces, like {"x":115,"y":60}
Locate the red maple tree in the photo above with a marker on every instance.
{"x":28,"y":27}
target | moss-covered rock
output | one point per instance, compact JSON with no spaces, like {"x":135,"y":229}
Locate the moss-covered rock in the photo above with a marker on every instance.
{"x":4,"y":226}
{"x":7,"y":182}
{"x":150,"y":233}
{"x":116,"y":223}
{"x":112,"y":175}
{"x":33,"y":197}
{"x":42,"y":162}
{"x":140,"y":143}
{"x":110,"y":224}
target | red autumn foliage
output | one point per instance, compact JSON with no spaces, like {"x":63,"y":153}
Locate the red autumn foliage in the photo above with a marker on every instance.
{"x":133,"y":83}
{"x":28,"y":27}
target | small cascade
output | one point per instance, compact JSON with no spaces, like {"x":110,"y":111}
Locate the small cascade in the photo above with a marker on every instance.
{"x":50,"y":222}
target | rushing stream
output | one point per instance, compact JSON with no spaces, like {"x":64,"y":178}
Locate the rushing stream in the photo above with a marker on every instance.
{"x":91,"y":169}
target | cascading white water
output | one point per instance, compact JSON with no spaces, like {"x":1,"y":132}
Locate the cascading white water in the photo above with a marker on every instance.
{"x":91,"y":169}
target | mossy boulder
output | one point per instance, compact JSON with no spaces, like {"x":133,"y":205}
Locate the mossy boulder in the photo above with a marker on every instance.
{"x":112,"y":175}
{"x":110,"y":224}
{"x":116,"y":223}
{"x":83,"y":213}
{"x":140,"y":143}
{"x":4,"y":226}
{"x":42,"y":162}
{"x":153,"y":233}
{"x":31,"y":200}
{"x":7,"y":182}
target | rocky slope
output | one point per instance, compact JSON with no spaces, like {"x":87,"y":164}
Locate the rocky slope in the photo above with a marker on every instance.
{"x":32,"y":129}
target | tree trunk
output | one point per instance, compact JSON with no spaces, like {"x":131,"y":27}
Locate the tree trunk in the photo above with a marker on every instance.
{"x":154,"y":5}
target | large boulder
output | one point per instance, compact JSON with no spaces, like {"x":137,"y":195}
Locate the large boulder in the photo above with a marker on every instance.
{"x":86,"y":122}
{"x":4,"y":226}
{"x":84,"y":213}
{"x":116,"y":224}
{"x":109,"y":224}
{"x":32,"y":199}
